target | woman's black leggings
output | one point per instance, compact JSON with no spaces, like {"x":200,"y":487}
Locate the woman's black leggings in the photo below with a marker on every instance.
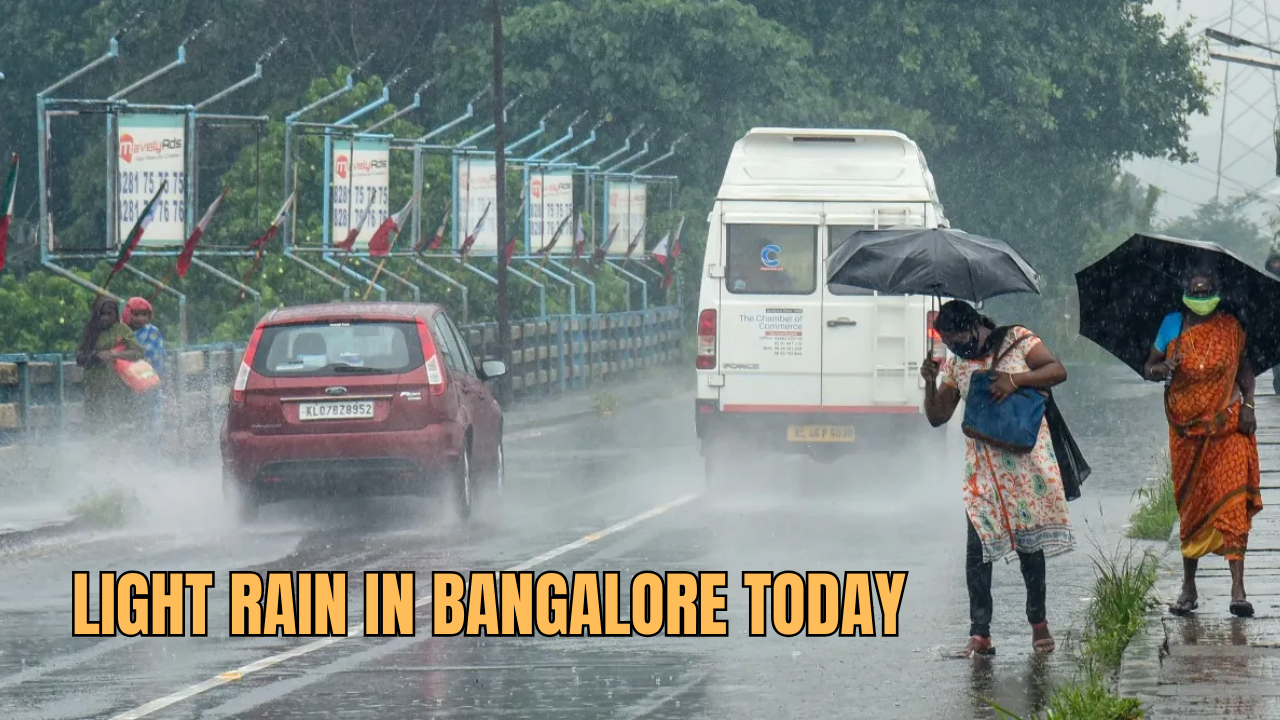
{"x":978,"y":575}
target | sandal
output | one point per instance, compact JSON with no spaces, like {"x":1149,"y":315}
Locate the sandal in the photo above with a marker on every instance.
{"x":1183,"y":607}
{"x":978,"y":646}
{"x":1242,"y":608}
{"x":1044,"y":645}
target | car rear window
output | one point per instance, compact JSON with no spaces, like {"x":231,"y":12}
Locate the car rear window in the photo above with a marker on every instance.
{"x":316,"y":349}
{"x":772,"y":259}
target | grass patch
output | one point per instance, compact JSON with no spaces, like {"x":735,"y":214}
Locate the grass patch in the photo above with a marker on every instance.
{"x":1089,"y":700}
{"x":605,"y":403}
{"x":1123,"y":593}
{"x":109,"y":507}
{"x":1157,"y":511}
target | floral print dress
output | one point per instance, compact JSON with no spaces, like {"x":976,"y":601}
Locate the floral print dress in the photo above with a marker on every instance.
{"x":1015,"y":501}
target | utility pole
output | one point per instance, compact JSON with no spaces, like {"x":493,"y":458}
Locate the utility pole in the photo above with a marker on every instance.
{"x":500,"y":165}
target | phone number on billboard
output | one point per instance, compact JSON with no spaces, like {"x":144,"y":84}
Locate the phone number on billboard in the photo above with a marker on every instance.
{"x":164,"y":211}
{"x":148,"y":181}
{"x":555,"y":210}
{"x":344,"y":215}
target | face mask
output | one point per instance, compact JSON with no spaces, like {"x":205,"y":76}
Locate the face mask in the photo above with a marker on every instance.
{"x":1201,"y":306}
{"x":969,"y":349}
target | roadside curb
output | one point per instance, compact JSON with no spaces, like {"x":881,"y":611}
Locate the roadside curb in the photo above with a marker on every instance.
{"x":17,"y":539}
{"x":1139,"y":673}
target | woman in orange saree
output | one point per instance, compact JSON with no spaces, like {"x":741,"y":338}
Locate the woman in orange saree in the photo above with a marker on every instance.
{"x":1214,"y":454}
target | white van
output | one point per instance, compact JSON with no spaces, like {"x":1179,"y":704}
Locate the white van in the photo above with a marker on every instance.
{"x":785,"y":364}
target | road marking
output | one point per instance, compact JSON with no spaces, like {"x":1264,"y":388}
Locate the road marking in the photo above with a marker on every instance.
{"x":356,"y":631}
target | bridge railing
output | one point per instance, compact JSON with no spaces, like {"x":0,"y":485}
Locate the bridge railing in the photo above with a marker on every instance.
{"x":41,"y":394}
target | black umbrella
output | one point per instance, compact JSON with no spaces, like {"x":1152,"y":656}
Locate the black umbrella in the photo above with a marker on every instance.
{"x":1126,"y":295}
{"x":932,"y":261}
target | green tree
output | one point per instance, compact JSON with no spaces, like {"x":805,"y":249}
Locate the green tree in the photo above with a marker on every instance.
{"x":1226,"y":224}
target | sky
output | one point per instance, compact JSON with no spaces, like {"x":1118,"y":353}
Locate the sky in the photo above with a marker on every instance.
{"x":1244,"y":132}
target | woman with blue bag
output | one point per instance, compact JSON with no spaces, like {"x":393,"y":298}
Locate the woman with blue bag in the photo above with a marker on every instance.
{"x":1014,"y":493}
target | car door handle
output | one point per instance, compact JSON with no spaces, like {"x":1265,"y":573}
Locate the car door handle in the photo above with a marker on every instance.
{"x":838,"y":322}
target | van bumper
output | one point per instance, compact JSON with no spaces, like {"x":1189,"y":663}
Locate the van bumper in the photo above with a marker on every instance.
{"x":764,"y":428}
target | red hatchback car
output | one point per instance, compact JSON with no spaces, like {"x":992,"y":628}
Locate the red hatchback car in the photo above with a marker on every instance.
{"x":361,"y":399}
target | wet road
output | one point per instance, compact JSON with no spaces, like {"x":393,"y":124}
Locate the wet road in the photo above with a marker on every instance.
{"x":569,"y":488}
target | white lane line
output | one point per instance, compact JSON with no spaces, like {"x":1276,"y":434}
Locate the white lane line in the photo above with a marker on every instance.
{"x":356,"y":630}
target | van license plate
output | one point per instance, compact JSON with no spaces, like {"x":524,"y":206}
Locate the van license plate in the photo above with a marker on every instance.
{"x":820,"y":433}
{"x":351,"y":410}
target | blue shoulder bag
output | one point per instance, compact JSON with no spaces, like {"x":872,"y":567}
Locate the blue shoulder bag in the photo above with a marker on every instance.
{"x":1012,"y":425}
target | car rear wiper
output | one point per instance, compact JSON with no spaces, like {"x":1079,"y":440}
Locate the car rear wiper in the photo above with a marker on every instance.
{"x":359,"y":369}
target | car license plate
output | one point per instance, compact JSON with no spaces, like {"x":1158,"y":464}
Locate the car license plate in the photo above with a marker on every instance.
{"x":820,"y":433}
{"x":350,"y":410}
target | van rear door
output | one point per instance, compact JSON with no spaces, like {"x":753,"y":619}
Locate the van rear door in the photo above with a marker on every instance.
{"x":872,"y":343}
{"x":770,"y":325}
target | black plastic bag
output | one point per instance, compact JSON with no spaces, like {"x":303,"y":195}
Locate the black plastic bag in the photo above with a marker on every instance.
{"x":1075,"y":469}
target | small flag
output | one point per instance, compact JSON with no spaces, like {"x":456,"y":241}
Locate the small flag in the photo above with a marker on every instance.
{"x":349,"y":241}
{"x":546,"y":250}
{"x":599,"y":254}
{"x":189,"y":248}
{"x":439,"y":236}
{"x":471,"y":238}
{"x":509,"y":249}
{"x":675,"y":245}
{"x":631,"y":246}
{"x":6,"y":207}
{"x":380,"y":243}
{"x":660,"y":252}
{"x":262,"y":241}
{"x":579,"y":239}
{"x":135,"y":235}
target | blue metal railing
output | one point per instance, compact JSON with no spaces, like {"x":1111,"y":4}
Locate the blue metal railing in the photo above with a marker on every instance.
{"x":41,"y":394}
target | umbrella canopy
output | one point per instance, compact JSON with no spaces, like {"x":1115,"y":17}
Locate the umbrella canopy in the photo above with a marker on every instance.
{"x":1125,"y":296}
{"x":930,"y":261}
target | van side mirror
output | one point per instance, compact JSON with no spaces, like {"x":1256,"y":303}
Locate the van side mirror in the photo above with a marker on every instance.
{"x":490,"y":369}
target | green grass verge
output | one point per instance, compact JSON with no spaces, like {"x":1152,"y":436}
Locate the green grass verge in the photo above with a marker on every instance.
{"x":1123,"y":593}
{"x":1157,"y":511}
{"x":107,"y":507}
{"x":605,"y":403}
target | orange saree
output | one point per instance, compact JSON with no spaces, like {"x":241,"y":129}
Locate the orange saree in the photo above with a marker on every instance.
{"x":1216,"y":475}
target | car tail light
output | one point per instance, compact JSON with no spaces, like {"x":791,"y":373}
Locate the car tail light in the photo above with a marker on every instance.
{"x":706,"y":340}
{"x":939,"y":349}
{"x":242,"y":376}
{"x":435,"y":373}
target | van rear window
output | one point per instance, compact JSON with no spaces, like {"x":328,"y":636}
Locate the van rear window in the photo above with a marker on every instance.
{"x":356,"y":348}
{"x":837,"y":236}
{"x":772,"y":259}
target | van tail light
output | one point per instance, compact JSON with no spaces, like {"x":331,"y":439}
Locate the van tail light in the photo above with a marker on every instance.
{"x":706,"y":340}
{"x":939,"y":349}
{"x":242,"y":376}
{"x":435,"y":373}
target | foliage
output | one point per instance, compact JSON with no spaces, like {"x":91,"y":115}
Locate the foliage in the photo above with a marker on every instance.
{"x":1157,"y":512}
{"x":605,"y":403}
{"x":1122,"y":596}
{"x":1087,"y":700}
{"x":1024,"y":112}
{"x":1226,"y":224}
{"x":108,"y":507}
